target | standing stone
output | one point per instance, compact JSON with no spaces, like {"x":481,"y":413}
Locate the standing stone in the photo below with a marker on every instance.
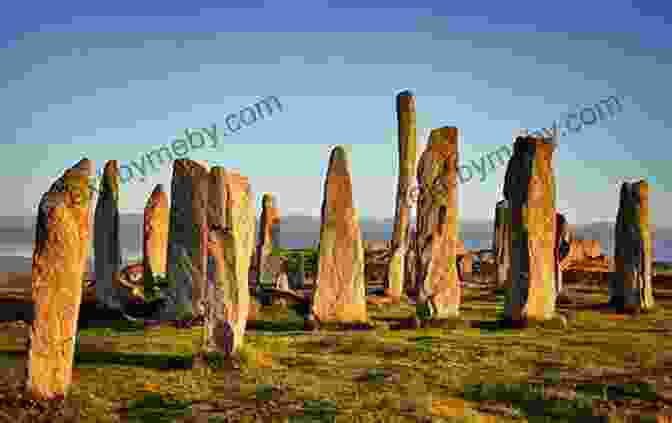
{"x":188,"y":231}
{"x":106,"y":245}
{"x":630,"y":288}
{"x":297,"y":278}
{"x":409,"y":268}
{"x":562,"y":245}
{"x":530,"y":189}
{"x":437,"y":233}
{"x":62,"y":247}
{"x":502,"y":244}
{"x":269,"y":224}
{"x":340,"y":295}
{"x":407,"y":158}
{"x":155,"y":233}
{"x":231,"y":242}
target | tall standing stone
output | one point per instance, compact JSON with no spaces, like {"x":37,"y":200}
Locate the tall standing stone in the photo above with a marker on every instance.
{"x":188,"y":230}
{"x":502,"y":244}
{"x":340,"y":295}
{"x":437,"y":232}
{"x":155,"y":233}
{"x":62,"y":248}
{"x":231,"y":242}
{"x":269,"y":224}
{"x":529,"y":187}
{"x":562,"y":245}
{"x":630,"y":288}
{"x":407,"y":158}
{"x":106,"y":245}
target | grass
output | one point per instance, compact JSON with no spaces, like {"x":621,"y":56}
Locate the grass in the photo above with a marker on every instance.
{"x":376,"y":375}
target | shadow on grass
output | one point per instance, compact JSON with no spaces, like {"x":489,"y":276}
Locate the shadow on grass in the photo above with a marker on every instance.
{"x":147,"y":360}
{"x":529,"y":399}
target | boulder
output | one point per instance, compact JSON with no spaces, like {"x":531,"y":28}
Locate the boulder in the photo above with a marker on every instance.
{"x":340,"y":294}
{"x":630,"y":287}
{"x":437,"y":240}
{"x":62,"y":247}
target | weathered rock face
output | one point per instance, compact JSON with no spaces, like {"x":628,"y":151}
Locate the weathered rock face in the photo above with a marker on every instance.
{"x":269,"y":224}
{"x":530,"y":189}
{"x":630,"y":287}
{"x":340,"y":295}
{"x":437,"y":240}
{"x":407,"y":157}
{"x":228,"y":299}
{"x":61,"y":252}
{"x":502,"y":244}
{"x":106,"y":245}
{"x":188,"y":231}
{"x":155,"y":233}
{"x":410,"y":284}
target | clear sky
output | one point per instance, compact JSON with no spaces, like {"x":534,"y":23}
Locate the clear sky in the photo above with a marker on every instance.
{"x":113,"y":80}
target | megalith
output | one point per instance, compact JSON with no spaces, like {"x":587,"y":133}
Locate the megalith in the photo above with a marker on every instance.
{"x":269,"y":224}
{"x":630,"y":287}
{"x":529,"y":187}
{"x":407,"y":161}
{"x":437,"y":239}
{"x":188,"y":230}
{"x":231,"y":242}
{"x":502,"y":244}
{"x":562,"y":246}
{"x":340,"y":293}
{"x":62,"y":247}
{"x":156,"y":221}
{"x":106,"y":244}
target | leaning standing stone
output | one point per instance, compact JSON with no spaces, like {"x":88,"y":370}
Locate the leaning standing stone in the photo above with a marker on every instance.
{"x":630,"y":288}
{"x":529,"y":188}
{"x":106,"y":245}
{"x":61,"y":252}
{"x":437,"y":235}
{"x":407,"y":157}
{"x":502,"y":244}
{"x":340,"y":295}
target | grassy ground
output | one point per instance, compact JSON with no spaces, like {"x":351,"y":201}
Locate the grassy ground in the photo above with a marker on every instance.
{"x":602,"y":363}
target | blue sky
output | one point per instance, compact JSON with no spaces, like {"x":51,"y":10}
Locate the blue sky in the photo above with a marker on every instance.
{"x":115,"y":80}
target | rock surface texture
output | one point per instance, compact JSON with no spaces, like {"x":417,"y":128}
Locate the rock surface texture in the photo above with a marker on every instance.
{"x":630,"y":288}
{"x":106,"y":244}
{"x":340,"y":295}
{"x":437,"y":240}
{"x":529,"y":188}
{"x":407,"y":158}
{"x":188,"y":231}
{"x":61,"y":252}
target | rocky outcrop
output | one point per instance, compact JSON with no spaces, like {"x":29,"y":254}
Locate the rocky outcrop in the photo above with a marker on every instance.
{"x":529,"y":188}
{"x":340,"y":295}
{"x":62,"y":247}
{"x":502,"y":244}
{"x":188,"y":231}
{"x":106,"y":245}
{"x":630,"y":288}
{"x":227,"y":300}
{"x":155,"y":233}
{"x":269,"y":225}
{"x":407,"y":158}
{"x":437,"y":235}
